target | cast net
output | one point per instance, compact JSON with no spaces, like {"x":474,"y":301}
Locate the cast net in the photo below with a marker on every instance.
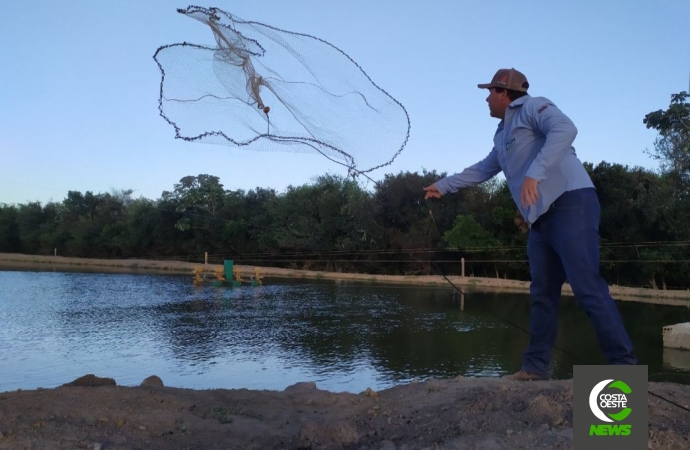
{"x":263,"y":88}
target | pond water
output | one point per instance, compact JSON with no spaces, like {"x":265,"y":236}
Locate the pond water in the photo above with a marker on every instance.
{"x":57,"y":326}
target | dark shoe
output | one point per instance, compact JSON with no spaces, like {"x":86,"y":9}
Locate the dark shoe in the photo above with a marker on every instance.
{"x":524,"y":376}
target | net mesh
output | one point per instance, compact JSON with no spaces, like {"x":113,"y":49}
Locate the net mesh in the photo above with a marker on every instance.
{"x":264,"y":88}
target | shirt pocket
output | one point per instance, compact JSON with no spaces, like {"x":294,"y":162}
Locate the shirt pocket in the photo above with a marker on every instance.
{"x":521,"y":137}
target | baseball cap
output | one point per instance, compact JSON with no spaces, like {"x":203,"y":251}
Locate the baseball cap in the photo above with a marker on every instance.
{"x":507,"y":79}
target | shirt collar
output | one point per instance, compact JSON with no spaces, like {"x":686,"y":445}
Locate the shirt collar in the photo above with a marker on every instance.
{"x":513,"y":104}
{"x":519,"y":101}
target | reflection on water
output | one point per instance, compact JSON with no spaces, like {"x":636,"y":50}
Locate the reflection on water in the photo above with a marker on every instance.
{"x":57,"y":326}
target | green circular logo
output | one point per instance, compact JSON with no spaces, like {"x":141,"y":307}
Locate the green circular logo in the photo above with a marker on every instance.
{"x":607,"y":400}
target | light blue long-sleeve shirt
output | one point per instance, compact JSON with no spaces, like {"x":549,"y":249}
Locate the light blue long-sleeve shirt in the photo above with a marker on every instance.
{"x":535,"y":139}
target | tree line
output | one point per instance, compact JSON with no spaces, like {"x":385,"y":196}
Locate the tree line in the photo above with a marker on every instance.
{"x":335,"y":223}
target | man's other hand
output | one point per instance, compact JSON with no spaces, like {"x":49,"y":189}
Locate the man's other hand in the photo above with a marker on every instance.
{"x":529,"y":193}
{"x":431,"y":192}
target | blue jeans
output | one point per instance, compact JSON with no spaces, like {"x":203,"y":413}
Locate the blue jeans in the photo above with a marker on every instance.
{"x":564,"y":245}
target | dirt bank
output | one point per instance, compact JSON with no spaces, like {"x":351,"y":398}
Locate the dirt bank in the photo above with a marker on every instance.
{"x":468,"y":284}
{"x":462,"y":413}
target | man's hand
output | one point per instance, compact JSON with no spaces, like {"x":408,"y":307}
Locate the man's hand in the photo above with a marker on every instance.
{"x":529,"y":193}
{"x":431,"y":192}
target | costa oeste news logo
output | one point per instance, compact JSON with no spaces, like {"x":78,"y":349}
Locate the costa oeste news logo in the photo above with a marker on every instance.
{"x":602,"y":402}
{"x":610,"y":407}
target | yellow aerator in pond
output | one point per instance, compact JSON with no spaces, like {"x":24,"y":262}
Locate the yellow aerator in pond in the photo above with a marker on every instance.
{"x":228,"y":275}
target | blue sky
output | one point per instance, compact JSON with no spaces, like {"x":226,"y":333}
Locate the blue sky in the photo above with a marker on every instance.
{"x":79,"y":86}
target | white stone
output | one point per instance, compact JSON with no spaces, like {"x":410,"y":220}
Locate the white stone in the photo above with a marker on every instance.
{"x":677,"y":336}
{"x":677,"y":359}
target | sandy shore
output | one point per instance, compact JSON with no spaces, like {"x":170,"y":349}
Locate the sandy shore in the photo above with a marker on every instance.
{"x":467,"y":284}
